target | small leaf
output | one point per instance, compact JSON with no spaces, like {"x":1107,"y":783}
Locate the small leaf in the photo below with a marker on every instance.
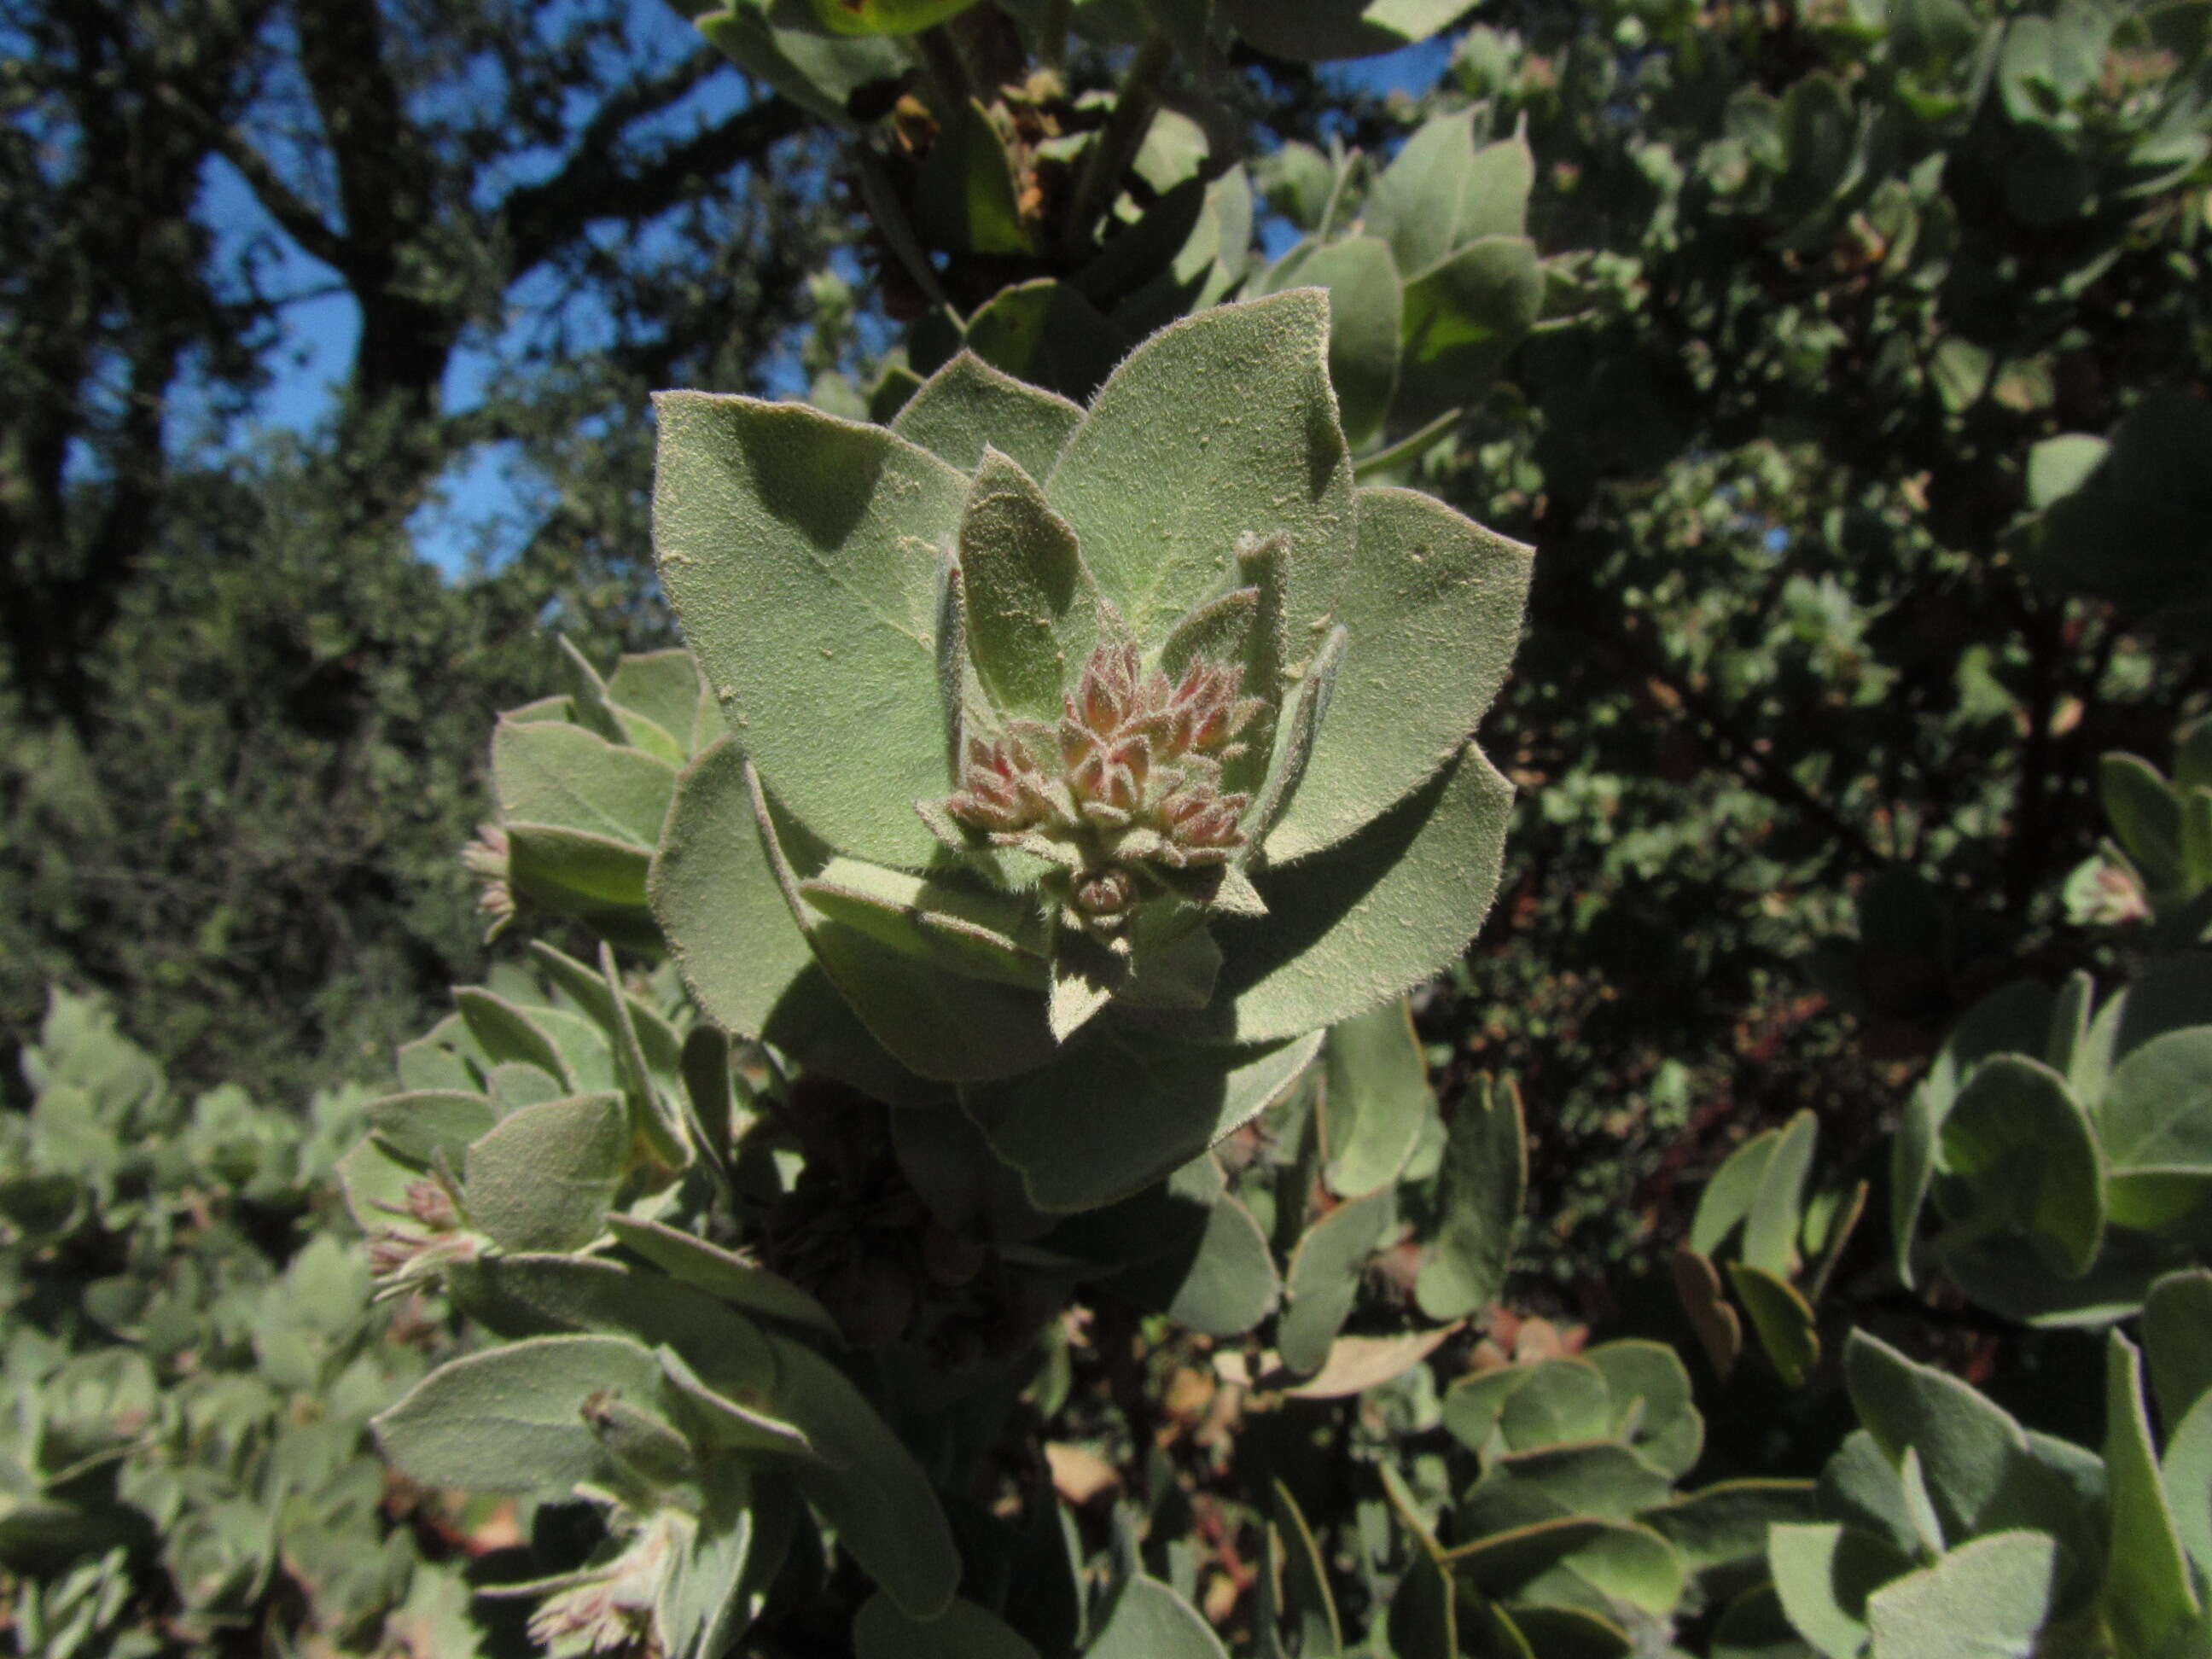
{"x":1651,"y":1395}
{"x":1719,"y":1328}
{"x":1295,"y":733}
{"x":425,"y":1123}
{"x":1356,"y":1364}
{"x":511,"y":1418}
{"x":717,"y":1421}
{"x":965,"y":198}
{"x":1483,"y":1183}
{"x":1599,"y":1477}
{"x":1222,"y":1284}
{"x":1787,"y":1330}
{"x":968,"y":406}
{"x":1148,"y":1620}
{"x":1324,"y":1278}
{"x":1771,"y":1227}
{"x":1377,"y":1099}
{"x":717,"y":898}
{"x":957,"y":929}
{"x":2025,"y":1149}
{"x":546,"y":772}
{"x":1032,"y":616}
{"x":542,"y":1178}
{"x":2145,"y":814}
{"x":2157,"y":1110}
{"x":2178,"y":1340}
{"x":1730,"y":1192}
{"x":506,"y":1032}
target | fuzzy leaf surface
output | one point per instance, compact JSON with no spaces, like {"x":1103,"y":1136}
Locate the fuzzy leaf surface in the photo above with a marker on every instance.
{"x":801,"y":552}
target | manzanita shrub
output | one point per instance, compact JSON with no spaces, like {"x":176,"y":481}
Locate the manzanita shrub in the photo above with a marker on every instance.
{"x":1084,"y":765}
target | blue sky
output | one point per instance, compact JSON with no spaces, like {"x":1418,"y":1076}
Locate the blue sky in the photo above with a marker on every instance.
{"x":486,"y":504}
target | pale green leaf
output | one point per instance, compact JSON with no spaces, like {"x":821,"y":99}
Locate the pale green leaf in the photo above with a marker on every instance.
{"x":543,"y":1177}
{"x":1985,"y":1600}
{"x":1032,"y":616}
{"x":1325,"y":1272}
{"x":509,"y":1419}
{"x":1824,"y":1573}
{"x":546,"y":772}
{"x":2149,"y":1591}
{"x":968,"y":404}
{"x":1369,"y":918}
{"x":1432,"y":615}
{"x":801,"y":552}
{"x":1221,"y":426}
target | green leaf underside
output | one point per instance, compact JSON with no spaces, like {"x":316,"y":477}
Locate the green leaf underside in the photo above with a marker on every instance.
{"x":1432,"y":613}
{"x":801,"y":552}
{"x":968,"y":404}
{"x":1219,"y":426}
{"x":1120,"y":1105}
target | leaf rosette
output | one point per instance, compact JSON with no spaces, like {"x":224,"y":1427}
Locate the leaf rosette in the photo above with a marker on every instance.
{"x":1077,"y":755}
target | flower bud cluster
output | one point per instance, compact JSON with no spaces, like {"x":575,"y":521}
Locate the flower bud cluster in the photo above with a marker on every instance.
{"x":1125,"y":786}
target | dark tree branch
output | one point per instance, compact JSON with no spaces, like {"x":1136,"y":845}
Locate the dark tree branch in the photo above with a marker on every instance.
{"x":541,"y":219}
{"x":294,"y":215}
